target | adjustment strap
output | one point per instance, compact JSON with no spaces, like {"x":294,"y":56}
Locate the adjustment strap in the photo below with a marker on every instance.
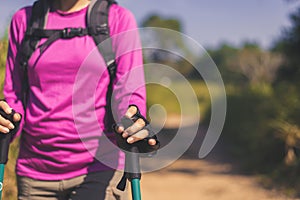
{"x":55,"y":34}
{"x":63,"y":33}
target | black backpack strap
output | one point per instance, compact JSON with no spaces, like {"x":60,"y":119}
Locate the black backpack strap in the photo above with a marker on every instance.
{"x":97,"y":22}
{"x":37,"y":20}
{"x":29,"y":44}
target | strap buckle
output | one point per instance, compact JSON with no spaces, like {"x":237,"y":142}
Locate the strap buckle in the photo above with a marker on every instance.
{"x":102,"y":29}
{"x":72,"y":32}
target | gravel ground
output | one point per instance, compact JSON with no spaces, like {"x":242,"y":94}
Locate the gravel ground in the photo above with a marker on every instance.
{"x":213,"y":178}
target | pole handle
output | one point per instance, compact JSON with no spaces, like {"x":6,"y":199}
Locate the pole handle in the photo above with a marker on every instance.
{"x":132,"y":159}
{"x":5,"y":138}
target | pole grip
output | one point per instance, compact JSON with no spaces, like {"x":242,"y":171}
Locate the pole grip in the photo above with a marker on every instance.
{"x":5,"y":138}
{"x":132,"y":164}
{"x":4,"y":146}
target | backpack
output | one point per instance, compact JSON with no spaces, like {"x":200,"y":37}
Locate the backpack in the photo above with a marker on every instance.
{"x":96,"y":26}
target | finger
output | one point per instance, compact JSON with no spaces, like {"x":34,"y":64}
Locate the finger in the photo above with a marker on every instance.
{"x":152,"y":142}
{"x":138,"y":136}
{"x":17,"y":117}
{"x":4,"y":129}
{"x":137,"y":126}
{"x":7,"y":109}
{"x":6,"y":124}
{"x":132,"y":110}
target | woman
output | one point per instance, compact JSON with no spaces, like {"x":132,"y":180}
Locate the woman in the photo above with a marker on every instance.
{"x":54,"y":162}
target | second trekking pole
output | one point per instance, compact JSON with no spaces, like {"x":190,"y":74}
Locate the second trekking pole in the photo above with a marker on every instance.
{"x":4,"y":147}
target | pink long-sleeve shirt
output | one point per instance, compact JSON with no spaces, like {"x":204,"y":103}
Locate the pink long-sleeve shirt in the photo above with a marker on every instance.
{"x":62,"y":130}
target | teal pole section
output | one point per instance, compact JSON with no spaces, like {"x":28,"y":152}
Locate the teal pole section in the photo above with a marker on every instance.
{"x":135,"y":189}
{"x":1,"y":179}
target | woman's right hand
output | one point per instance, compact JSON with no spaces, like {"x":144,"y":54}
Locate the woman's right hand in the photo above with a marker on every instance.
{"x":6,"y":125}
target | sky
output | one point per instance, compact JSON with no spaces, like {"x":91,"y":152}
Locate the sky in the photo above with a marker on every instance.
{"x":209,"y":22}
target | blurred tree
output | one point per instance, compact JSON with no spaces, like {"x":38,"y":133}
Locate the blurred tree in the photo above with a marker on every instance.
{"x":173,"y":49}
{"x":257,"y":65}
{"x":224,"y":56}
{"x":247,"y":64}
{"x":155,"y":20}
{"x":287,"y":84}
{"x":289,"y":45}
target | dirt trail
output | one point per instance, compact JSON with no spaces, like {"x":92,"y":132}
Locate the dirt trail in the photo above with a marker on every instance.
{"x":213,"y":178}
{"x":201,"y":180}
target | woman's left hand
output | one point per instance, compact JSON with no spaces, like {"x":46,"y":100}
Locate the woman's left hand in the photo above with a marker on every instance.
{"x":136,"y":131}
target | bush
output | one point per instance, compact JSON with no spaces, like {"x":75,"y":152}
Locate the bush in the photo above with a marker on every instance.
{"x":248,"y":131}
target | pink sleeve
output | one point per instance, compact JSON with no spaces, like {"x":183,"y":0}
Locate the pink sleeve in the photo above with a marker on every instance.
{"x":12,"y":83}
{"x":129,"y":85}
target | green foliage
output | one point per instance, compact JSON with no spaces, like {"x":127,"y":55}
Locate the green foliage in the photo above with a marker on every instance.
{"x":3,"y":54}
{"x":263,"y":94}
{"x":223,"y":57}
{"x":169,"y":40}
{"x":157,"y":94}
{"x":287,"y":89}
{"x":155,"y":20}
{"x":288,"y":96}
{"x":290,"y":46}
{"x":247,"y":64}
{"x":248,"y":130}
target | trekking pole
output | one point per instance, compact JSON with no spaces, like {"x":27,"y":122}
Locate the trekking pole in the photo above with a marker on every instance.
{"x":133,"y":152}
{"x":1,"y":178}
{"x":4,"y":146}
{"x":132,"y":171}
{"x":132,"y":167}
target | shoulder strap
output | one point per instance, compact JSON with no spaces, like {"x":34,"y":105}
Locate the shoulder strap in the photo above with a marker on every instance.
{"x":29,"y":44}
{"x":97,"y":22}
{"x":37,"y":20}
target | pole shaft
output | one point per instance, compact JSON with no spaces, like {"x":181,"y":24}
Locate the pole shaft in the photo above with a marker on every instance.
{"x":135,"y":189}
{"x":1,"y":179}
